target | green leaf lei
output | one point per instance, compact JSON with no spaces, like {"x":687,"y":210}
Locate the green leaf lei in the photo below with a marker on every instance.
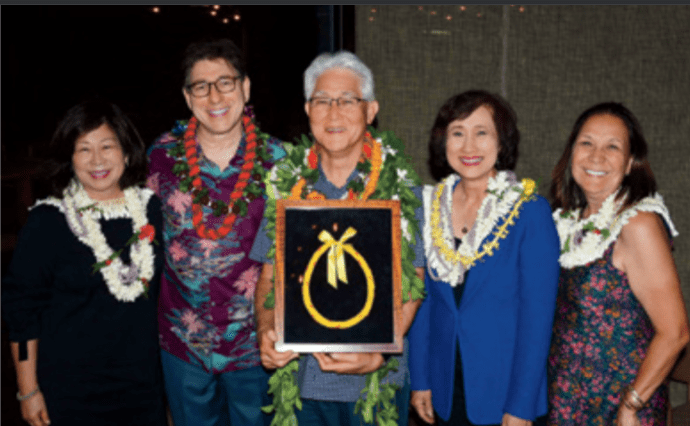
{"x":397,"y":178}
{"x":219,"y":207}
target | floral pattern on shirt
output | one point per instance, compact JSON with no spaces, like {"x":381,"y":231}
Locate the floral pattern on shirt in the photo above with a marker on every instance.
{"x":206,"y":308}
{"x":600,"y":338}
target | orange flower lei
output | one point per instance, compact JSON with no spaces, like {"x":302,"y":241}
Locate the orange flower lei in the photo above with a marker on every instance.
{"x":238,"y":190}
{"x":371,"y":152}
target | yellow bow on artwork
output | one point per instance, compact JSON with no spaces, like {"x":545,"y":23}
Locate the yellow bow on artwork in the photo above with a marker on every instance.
{"x":336,"y":255}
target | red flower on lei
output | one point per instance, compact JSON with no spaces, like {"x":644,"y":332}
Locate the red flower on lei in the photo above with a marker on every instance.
{"x":242,"y":180}
{"x":371,"y":154}
{"x":147,"y":231}
{"x":313,"y":159}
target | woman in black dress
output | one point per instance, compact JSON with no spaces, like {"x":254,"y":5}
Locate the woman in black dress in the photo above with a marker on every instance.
{"x":79,"y":299}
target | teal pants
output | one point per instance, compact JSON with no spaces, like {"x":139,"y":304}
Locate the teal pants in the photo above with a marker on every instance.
{"x":199,"y":398}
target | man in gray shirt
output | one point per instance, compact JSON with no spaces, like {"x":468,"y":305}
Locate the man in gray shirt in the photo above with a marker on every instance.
{"x":340,"y":103}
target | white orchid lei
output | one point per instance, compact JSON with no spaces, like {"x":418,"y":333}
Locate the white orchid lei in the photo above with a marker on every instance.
{"x":504,"y":199}
{"x":586,"y":240}
{"x":124,"y":282}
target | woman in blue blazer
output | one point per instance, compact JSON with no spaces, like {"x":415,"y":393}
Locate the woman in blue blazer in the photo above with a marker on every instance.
{"x":480,"y":341}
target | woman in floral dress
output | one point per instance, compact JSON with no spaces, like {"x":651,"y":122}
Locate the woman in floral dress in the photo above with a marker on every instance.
{"x":80,"y":296}
{"x":620,"y":321}
{"x":480,"y":340}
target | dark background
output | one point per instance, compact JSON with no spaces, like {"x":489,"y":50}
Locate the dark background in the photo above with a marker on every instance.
{"x":55,"y":56}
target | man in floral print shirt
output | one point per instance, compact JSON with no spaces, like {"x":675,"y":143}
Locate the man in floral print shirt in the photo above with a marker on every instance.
{"x":208,"y":173}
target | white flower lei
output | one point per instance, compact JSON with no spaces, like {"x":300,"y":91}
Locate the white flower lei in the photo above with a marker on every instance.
{"x":586,"y":240}
{"x":124,"y":282}
{"x":444,"y":262}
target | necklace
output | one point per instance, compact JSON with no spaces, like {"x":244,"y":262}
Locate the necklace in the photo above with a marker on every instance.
{"x":126,"y":283}
{"x":390,"y":177}
{"x":586,"y":240}
{"x":368,"y":166}
{"x":504,"y":198}
{"x":246,"y":189}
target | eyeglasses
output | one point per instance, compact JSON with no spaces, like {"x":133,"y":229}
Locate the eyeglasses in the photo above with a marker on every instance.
{"x":346,"y":104}
{"x":203,"y":88}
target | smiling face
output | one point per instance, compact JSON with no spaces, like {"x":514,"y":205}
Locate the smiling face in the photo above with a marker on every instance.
{"x":219,"y":114}
{"x":340,"y":132}
{"x":472,"y":145}
{"x":98,"y":162}
{"x":601,"y":157}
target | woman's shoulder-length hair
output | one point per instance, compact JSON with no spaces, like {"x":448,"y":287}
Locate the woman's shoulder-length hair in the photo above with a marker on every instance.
{"x":83,"y":118}
{"x":636,"y":185}
{"x":461,"y":106}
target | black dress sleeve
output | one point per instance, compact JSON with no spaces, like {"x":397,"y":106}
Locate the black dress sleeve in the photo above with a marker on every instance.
{"x":154,"y":212}
{"x":26,"y":287}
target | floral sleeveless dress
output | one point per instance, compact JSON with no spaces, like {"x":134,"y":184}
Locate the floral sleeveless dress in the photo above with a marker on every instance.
{"x":601,"y":334}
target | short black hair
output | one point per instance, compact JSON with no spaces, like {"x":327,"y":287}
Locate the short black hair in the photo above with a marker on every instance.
{"x":636,"y":185}
{"x":81,"y":119}
{"x":213,"y":49}
{"x":462,"y":106}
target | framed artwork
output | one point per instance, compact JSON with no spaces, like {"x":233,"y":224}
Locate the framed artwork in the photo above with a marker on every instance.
{"x":338,"y":276}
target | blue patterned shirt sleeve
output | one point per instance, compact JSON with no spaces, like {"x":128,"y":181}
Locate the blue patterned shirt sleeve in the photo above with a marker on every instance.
{"x":262,"y":243}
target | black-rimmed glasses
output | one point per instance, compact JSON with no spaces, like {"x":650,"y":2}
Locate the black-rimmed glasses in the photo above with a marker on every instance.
{"x":203,"y":88}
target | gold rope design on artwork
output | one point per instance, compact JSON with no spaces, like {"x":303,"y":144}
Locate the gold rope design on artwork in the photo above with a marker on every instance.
{"x":336,"y":271}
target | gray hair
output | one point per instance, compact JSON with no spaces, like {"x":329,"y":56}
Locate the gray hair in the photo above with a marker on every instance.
{"x":341,"y":59}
